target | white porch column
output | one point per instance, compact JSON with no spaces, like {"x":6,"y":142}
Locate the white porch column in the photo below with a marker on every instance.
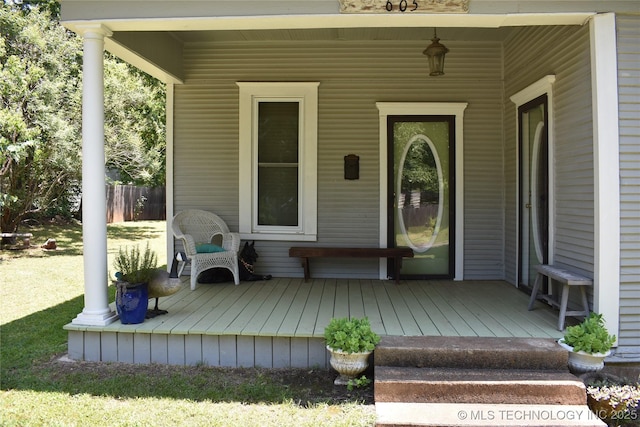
{"x":96,"y":310}
{"x":606,"y":153}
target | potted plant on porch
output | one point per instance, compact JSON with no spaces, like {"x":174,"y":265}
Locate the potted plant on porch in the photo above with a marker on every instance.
{"x":588,"y":344}
{"x":134,"y":270}
{"x":350,"y":342}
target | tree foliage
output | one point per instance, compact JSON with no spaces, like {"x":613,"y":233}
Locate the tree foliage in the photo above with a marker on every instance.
{"x":134,"y":125}
{"x":40,"y":116}
{"x":420,"y":171}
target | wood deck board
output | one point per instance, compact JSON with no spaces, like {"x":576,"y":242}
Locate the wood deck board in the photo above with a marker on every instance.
{"x":403,"y":313}
{"x":325,"y":308}
{"x":484,"y":303}
{"x":287,"y":307}
{"x":484,"y":323}
{"x":223,"y":322}
{"x":183,"y":313}
{"x":341,"y":304}
{"x":371,"y":310}
{"x":356,"y":304}
{"x":291,"y":321}
{"x":442,"y":324}
{"x":453,"y":317}
{"x":255,"y":307}
{"x":175,"y":302}
{"x":422,"y":317}
{"x":389,"y":317}
{"x":443,"y":296}
{"x":530,"y":323}
{"x":309,"y":316}
{"x":218,"y":306}
{"x":475,"y":316}
{"x":279,"y":312}
{"x":256,"y":323}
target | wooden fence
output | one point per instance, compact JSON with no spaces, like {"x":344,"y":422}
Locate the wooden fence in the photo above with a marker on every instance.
{"x":131,"y":203}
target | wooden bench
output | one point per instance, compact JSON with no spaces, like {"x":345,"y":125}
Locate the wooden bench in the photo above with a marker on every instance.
{"x":567,"y":279}
{"x":320,"y":252}
{"x":26,"y":237}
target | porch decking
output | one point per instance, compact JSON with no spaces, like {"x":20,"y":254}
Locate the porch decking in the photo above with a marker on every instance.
{"x":280,"y":323}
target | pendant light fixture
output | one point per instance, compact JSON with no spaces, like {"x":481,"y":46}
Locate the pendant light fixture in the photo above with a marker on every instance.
{"x":436,"y":52}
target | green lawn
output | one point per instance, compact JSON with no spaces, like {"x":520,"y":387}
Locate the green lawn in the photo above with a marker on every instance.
{"x":41,"y":291}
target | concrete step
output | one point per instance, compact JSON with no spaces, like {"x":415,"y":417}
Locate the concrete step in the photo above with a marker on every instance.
{"x":391,"y":414}
{"x":471,"y":353}
{"x":421,"y":385}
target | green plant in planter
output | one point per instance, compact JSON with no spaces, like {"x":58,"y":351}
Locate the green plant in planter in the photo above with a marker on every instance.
{"x":135,"y":266}
{"x":590,"y":336}
{"x":351,"y":335}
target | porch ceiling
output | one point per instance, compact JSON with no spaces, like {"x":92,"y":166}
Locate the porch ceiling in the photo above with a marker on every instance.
{"x":153,"y":44}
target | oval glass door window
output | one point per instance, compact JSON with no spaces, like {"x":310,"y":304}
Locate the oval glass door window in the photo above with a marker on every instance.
{"x":420,"y":192}
{"x":538,"y":198}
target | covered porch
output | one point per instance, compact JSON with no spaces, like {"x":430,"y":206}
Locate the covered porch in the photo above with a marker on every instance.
{"x":280,"y":323}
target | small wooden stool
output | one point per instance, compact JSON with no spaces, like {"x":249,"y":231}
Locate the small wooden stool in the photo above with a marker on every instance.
{"x":567,"y":279}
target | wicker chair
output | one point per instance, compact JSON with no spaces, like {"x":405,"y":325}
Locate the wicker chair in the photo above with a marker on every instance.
{"x":197,"y":227}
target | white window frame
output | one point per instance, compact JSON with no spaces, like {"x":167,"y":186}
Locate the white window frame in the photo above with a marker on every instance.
{"x":251,"y":93}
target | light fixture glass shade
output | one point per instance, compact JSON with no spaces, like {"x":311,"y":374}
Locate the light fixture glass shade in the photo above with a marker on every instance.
{"x":436,"y":52}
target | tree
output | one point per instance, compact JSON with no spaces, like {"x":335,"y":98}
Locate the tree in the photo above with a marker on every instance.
{"x":40,"y":116}
{"x":134,"y":111}
{"x":40,"y":107}
{"x":134,"y":125}
{"x":53,"y":6}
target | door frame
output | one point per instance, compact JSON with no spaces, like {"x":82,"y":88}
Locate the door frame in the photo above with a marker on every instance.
{"x":456,"y":109}
{"x":528,"y":203}
{"x":544,"y":86}
{"x":393,"y":204}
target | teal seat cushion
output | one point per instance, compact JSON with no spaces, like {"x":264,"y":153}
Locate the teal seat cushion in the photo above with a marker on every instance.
{"x":208,"y":248}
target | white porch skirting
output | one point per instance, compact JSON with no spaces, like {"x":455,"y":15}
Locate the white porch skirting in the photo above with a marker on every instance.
{"x":210,"y":350}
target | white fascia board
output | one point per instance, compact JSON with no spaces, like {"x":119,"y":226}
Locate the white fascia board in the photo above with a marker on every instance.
{"x":339,"y":21}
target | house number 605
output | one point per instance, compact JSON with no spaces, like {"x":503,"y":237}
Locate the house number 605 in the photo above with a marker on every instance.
{"x":403,"y":5}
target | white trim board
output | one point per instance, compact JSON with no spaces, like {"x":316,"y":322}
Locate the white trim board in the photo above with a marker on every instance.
{"x":531,"y":92}
{"x":606,"y":153}
{"x":425,"y":109}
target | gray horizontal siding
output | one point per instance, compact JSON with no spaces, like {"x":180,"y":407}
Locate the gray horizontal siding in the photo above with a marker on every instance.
{"x":353,"y":76}
{"x":628,"y":28}
{"x":205,"y":169}
{"x":563,"y":51}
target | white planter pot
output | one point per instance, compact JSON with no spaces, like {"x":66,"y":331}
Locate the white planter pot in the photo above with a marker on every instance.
{"x":581,"y":362}
{"x":348,"y":365}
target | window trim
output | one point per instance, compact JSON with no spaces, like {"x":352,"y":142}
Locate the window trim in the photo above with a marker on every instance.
{"x":250,"y":94}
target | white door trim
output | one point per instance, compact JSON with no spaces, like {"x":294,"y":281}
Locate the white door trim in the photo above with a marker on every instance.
{"x":424,"y":109}
{"x":531,"y":92}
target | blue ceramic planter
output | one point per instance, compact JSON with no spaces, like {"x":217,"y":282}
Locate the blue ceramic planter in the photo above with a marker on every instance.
{"x":132,"y":300}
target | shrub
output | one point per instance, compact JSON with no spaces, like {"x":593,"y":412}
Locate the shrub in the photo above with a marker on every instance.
{"x":134,"y":266}
{"x":590,"y":336}
{"x":351,"y":335}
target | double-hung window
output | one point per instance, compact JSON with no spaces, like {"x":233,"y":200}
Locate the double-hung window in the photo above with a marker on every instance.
{"x":278,"y":160}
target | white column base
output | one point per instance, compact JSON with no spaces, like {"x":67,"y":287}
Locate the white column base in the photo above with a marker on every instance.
{"x":95,"y":319}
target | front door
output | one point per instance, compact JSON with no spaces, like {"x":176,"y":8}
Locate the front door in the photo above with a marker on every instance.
{"x":421,"y":152}
{"x":534,"y":187}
